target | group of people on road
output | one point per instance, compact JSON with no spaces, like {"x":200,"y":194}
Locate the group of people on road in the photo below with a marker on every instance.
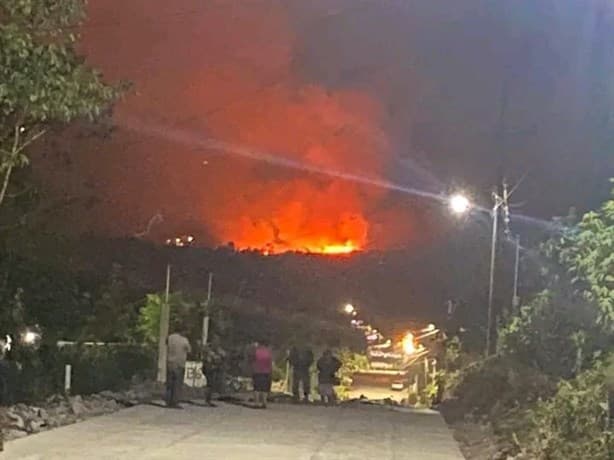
{"x":301,"y":360}
{"x":214,"y":359}
{"x":260,"y":363}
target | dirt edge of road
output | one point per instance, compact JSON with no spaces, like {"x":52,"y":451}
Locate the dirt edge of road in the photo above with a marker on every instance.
{"x":475,"y":437}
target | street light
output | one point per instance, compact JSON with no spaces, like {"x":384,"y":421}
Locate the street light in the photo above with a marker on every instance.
{"x":408,"y":343}
{"x":499,"y":203}
{"x":30,"y":337}
{"x":349,"y":309}
{"x":459,"y":204}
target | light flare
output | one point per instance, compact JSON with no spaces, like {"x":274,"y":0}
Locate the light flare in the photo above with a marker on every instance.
{"x":409,"y":344}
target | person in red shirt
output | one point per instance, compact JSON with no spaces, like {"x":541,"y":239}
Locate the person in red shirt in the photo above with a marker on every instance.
{"x":262,"y":368}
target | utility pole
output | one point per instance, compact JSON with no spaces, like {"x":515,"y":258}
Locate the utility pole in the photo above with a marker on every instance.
{"x":499,"y":202}
{"x":164,"y":326}
{"x":205,"y":332}
{"x":491,"y":281}
{"x":499,"y":197}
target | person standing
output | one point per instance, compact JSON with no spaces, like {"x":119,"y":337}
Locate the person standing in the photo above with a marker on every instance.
{"x":262,"y":368}
{"x":214,"y":359}
{"x":178,"y":348}
{"x":328,"y":365}
{"x":301,"y":359}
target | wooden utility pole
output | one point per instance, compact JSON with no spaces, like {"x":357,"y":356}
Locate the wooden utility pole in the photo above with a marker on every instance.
{"x":164,"y":326}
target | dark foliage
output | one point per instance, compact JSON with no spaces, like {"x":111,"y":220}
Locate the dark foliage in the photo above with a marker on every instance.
{"x":37,"y":374}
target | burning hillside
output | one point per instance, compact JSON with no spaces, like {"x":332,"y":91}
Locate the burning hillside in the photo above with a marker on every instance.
{"x":228,"y":70}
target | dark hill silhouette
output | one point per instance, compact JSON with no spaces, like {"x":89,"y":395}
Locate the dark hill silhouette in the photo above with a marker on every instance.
{"x":387,"y":286}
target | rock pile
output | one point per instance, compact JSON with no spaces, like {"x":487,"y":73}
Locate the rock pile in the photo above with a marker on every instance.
{"x":22,"y":419}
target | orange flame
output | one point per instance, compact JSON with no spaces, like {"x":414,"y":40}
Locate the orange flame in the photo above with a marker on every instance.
{"x":331,"y":249}
{"x":349,"y":247}
{"x":346,"y":248}
{"x":304,"y":226}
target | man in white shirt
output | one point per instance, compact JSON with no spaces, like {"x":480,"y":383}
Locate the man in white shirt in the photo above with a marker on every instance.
{"x":178,"y":348}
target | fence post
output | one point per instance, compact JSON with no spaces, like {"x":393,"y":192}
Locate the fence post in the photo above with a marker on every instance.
{"x":67,"y":379}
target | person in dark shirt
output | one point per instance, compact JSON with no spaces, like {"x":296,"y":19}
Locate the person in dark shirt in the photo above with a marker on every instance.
{"x":301,"y":359}
{"x":178,"y":348}
{"x":328,"y":366}
{"x":214,"y":363}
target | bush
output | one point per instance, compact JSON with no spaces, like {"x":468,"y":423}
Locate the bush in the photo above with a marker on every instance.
{"x":556,"y":333}
{"x":94,"y":369}
{"x":571,"y":425}
{"x":429,"y":395}
{"x":185,"y":315}
{"x":499,"y":384}
{"x":350,"y":363}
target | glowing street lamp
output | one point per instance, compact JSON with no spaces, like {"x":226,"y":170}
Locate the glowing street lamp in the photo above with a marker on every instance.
{"x":30,"y":337}
{"x":459,"y":204}
{"x":349,"y":309}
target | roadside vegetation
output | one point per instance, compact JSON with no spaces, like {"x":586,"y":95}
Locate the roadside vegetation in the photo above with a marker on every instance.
{"x":545,"y":391}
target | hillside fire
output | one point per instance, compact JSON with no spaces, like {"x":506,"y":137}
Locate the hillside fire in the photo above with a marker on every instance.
{"x":259,"y":100}
{"x":346,"y":248}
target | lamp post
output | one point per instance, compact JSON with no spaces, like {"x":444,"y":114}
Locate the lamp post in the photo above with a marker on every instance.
{"x":491,"y":277}
{"x":459,"y":204}
{"x":499,"y":202}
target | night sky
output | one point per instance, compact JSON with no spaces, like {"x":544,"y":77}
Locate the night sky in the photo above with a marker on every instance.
{"x":403,"y":91}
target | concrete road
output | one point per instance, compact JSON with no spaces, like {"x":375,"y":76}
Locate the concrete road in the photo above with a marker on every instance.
{"x":282,"y":432}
